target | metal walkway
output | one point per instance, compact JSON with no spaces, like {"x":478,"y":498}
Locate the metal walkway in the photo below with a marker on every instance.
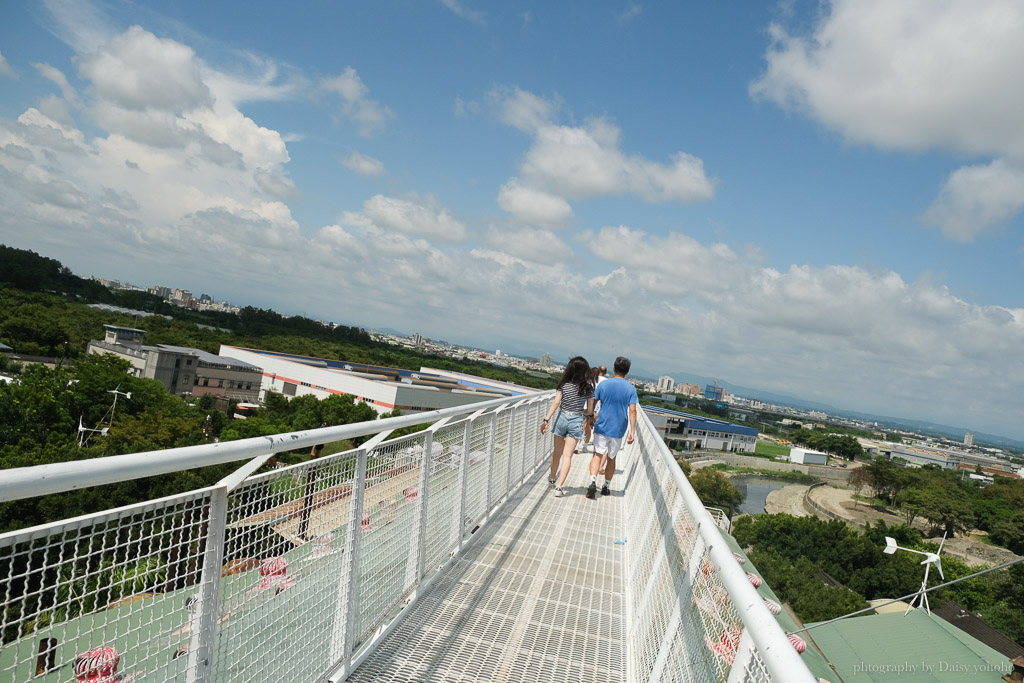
{"x":538,"y":597}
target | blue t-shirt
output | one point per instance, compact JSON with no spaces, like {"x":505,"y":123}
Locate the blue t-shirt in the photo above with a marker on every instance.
{"x":615,"y":395}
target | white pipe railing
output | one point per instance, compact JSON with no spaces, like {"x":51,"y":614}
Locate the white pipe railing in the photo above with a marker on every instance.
{"x":291,"y":574}
{"x":693,"y":612}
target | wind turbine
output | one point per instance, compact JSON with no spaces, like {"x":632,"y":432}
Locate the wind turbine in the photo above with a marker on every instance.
{"x":115,"y":391}
{"x":83,"y":432}
{"x":929,"y":559}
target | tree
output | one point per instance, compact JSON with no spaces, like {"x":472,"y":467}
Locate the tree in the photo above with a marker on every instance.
{"x":859,"y":478}
{"x":946,"y":507}
{"x":1009,"y":532}
{"x":714,"y":488}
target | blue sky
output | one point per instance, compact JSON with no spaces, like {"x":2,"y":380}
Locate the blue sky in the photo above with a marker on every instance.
{"x":821,"y":199}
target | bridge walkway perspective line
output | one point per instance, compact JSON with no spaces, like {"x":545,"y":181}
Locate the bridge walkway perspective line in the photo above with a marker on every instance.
{"x":539,"y":597}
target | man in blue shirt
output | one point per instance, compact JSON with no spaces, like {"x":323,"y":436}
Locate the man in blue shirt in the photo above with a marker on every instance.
{"x":618,"y":401}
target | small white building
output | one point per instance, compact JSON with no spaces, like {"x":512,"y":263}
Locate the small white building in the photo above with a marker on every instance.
{"x":805,"y":456}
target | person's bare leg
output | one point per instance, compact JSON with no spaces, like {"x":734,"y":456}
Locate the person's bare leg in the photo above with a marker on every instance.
{"x":556,"y":455}
{"x":604,"y":464}
{"x":595,"y":464}
{"x":570,"y":446}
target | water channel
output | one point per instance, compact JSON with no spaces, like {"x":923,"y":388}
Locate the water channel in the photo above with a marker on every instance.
{"x":755,"y":490}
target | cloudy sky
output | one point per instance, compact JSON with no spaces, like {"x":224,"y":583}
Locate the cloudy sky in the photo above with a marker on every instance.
{"x":817,"y":198}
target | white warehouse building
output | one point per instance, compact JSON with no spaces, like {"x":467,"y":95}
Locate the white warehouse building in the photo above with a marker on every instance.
{"x":384,"y":389}
{"x":805,"y":456}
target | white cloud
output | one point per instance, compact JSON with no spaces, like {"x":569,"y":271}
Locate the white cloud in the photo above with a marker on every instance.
{"x":460,"y":10}
{"x":424,"y":217}
{"x":521,"y":109}
{"x":579,"y":163}
{"x":532,"y":205}
{"x":917,"y":75}
{"x":137,"y":70}
{"x":914,"y":74}
{"x":275,"y":183}
{"x":976,"y":198}
{"x":5,"y":68}
{"x":630,"y":13}
{"x":529,"y":245}
{"x":57,"y":76}
{"x":369,"y":114}
{"x":362,"y":164}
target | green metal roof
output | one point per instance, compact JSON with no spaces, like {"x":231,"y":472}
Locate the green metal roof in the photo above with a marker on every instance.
{"x":917,"y":648}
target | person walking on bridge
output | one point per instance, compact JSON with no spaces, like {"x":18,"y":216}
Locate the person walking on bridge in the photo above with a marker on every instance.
{"x":618,"y":401}
{"x":574,"y":401}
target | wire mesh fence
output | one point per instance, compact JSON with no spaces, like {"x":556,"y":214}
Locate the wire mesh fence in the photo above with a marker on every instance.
{"x":684,"y":621}
{"x":282,"y":575}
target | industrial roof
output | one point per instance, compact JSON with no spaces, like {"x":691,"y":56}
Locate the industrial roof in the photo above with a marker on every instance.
{"x":916,"y":648}
{"x":702,"y":422}
{"x":211,"y":358}
{"x":969,"y":623}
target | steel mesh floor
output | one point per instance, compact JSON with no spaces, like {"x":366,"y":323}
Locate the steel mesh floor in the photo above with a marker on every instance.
{"x":538,"y":597}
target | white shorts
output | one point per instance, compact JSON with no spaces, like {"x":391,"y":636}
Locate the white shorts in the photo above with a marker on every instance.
{"x":606,"y":445}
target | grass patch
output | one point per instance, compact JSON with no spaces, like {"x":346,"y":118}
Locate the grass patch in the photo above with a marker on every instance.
{"x":770,"y":449}
{"x":794,"y":477}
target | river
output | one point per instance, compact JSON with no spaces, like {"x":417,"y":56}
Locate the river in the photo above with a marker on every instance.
{"x":755,"y":490}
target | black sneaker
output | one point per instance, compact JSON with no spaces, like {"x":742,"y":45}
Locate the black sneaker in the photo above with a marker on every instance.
{"x":592,"y":491}
{"x":605,"y":491}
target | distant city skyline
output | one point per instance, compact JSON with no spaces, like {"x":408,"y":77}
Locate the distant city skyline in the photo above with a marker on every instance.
{"x":824,"y":199}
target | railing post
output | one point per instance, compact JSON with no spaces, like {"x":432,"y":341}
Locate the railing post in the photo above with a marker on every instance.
{"x":508,"y":449}
{"x":342,"y":635}
{"x":415,"y":567}
{"x":527,"y":422}
{"x":490,"y":460}
{"x":201,"y":648}
{"x":459,"y":526}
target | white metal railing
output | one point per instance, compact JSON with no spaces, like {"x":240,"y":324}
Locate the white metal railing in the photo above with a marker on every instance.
{"x":296,"y":574}
{"x":694,"y":613}
{"x":289,"y":575}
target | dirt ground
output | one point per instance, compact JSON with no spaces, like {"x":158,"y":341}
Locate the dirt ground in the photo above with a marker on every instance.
{"x":790,"y":499}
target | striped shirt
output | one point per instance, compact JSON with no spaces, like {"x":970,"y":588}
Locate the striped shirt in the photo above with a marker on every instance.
{"x":572,"y":401}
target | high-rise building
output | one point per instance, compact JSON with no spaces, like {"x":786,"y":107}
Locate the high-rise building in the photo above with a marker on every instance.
{"x":968,"y":439}
{"x":666,"y":384}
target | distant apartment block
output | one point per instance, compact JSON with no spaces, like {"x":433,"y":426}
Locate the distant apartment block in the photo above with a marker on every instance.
{"x":183,"y":371}
{"x":666,"y":384}
{"x":715,"y":392}
{"x":688,"y":389}
{"x":968,"y":439}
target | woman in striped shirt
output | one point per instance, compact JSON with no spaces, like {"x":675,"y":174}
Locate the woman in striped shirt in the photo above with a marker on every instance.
{"x":574,"y":401}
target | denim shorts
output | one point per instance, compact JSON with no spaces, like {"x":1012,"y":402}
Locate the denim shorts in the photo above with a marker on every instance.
{"x":569,"y":425}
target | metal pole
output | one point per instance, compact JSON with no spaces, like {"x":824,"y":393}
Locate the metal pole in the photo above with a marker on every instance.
{"x":342,"y":636}
{"x":201,"y":649}
{"x":490,"y":460}
{"x":423,"y":501}
{"x":459,"y":527}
